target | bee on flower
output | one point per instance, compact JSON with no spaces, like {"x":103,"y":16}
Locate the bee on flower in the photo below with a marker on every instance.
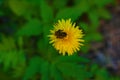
{"x":66,"y":37}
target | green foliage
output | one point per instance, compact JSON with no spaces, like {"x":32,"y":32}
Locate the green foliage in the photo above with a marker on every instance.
{"x":91,"y":35}
{"x":71,"y":66}
{"x":83,"y":5}
{"x":31,"y":28}
{"x":33,"y":67}
{"x":66,"y":13}
{"x":55,"y":73}
{"x":105,"y":14}
{"x":57,"y":68}
{"x":43,"y":60}
{"x":59,"y":4}
{"x":45,"y":71}
{"x":72,"y":59}
{"x":46,"y":11}
{"x":95,"y":11}
{"x":102,"y":75}
{"x":10,"y":57}
{"x":102,"y":2}
{"x":94,"y":18}
{"x":19,"y":7}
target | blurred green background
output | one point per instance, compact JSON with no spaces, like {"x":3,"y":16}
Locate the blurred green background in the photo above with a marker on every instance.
{"x":25,"y":52}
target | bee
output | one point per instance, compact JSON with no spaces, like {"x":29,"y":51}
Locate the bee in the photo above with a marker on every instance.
{"x":60,"y":34}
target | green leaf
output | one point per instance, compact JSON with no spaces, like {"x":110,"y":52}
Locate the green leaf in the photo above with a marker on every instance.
{"x":12,"y":59}
{"x":31,"y":28}
{"x":66,"y":13}
{"x":34,"y":2}
{"x":18,"y":7}
{"x":60,"y":4}
{"x":102,"y":3}
{"x":19,"y":59}
{"x":46,"y":32}
{"x":73,"y":70}
{"x":55,"y":73}
{"x":41,"y":46}
{"x":25,"y":8}
{"x":102,"y":74}
{"x":88,"y":37}
{"x":72,"y":59}
{"x":20,"y":42}
{"x":84,"y":26}
{"x":103,"y":13}
{"x":9,"y":56}
{"x":1,"y":13}
{"x":46,"y":11}
{"x":1,"y":57}
{"x":94,"y":68}
{"x":94,"y":18}
{"x":7,"y":44}
{"x":33,"y":68}
{"x":45,"y":70}
{"x":7,"y":60}
{"x":85,"y":48}
{"x":18,"y":71}
{"x":93,"y":36}
{"x":68,"y":69}
{"x":97,"y":36}
{"x":82,"y":5}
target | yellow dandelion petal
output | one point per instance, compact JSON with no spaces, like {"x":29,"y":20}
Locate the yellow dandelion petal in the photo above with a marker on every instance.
{"x":65,"y":37}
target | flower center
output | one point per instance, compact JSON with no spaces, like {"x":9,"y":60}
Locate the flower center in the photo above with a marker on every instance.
{"x":60,"y":34}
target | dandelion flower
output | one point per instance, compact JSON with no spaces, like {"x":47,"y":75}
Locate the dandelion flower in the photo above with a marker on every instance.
{"x":65,"y":37}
